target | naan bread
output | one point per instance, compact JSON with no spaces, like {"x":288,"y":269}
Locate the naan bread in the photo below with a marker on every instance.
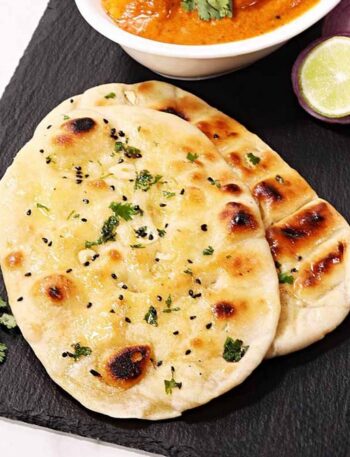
{"x":308,"y":238}
{"x":131,"y":307}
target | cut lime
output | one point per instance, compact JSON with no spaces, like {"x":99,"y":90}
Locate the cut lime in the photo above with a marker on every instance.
{"x":324,"y":77}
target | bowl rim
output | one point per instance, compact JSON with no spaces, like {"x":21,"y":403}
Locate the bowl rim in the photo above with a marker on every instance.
{"x":93,"y":12}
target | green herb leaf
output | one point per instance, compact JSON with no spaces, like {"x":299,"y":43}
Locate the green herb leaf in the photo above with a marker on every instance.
{"x":65,"y":117}
{"x":209,"y":9}
{"x":3,"y":304}
{"x":254,"y":160}
{"x":137,"y":246}
{"x":107,"y":232}
{"x":124,"y":210}
{"x":188,"y":271}
{"x":151,"y":317}
{"x":141,"y":232}
{"x":40,"y":206}
{"x":285,"y":278}
{"x":110,"y":95}
{"x":129,"y":151}
{"x":171,"y":383}
{"x":79,"y":351}
{"x":234,"y":350}
{"x":161,"y":232}
{"x":208,"y":251}
{"x":214,"y":182}
{"x":192,"y":157}
{"x":8,"y":321}
{"x":168,"y":194}
{"x":3,"y":349}
{"x":168,"y":303}
{"x":144,"y":180}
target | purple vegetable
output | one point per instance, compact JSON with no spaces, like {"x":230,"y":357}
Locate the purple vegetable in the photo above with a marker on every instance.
{"x":337,"y":22}
{"x":296,"y":81}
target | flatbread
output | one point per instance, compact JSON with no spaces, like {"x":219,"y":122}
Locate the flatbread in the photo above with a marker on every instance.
{"x":161,"y":288}
{"x":308,"y":238}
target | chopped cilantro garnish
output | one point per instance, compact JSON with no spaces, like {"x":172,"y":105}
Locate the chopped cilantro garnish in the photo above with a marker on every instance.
{"x":151,"y":317}
{"x":3,"y":349}
{"x":171,"y":383}
{"x":110,"y":95}
{"x":137,"y":246}
{"x":214,"y":182}
{"x":129,"y":151}
{"x":141,"y":232}
{"x":209,"y":9}
{"x":168,"y":194}
{"x":208,"y":251}
{"x":70,"y":214}
{"x":161,"y":232}
{"x":40,"y":206}
{"x":124,"y":210}
{"x":254,"y":160}
{"x":192,"y":157}
{"x":8,"y":321}
{"x":79,"y":351}
{"x":107,"y":232}
{"x":168,"y":303}
{"x":234,"y":350}
{"x":3,"y":304}
{"x":65,"y":117}
{"x":285,"y":278}
{"x":144,"y":180}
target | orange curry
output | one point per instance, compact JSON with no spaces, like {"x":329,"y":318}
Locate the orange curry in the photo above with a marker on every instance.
{"x":169,"y":22}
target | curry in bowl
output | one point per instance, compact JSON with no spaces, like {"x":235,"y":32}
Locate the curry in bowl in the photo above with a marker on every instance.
{"x":198,"y":22}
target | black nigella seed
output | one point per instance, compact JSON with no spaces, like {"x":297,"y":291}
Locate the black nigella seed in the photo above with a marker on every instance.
{"x":89,"y":304}
{"x":112,"y":187}
{"x":190,"y":293}
{"x":162,"y":205}
{"x":42,"y":151}
{"x":300,"y":258}
{"x":151,"y":237}
{"x":83,"y":219}
{"x":204,"y":227}
{"x":124,"y":286}
{"x":50,"y":244}
{"x":192,"y":317}
{"x":64,"y":354}
{"x":86,"y":264}
{"x":114,"y":276}
{"x":20,"y":299}
{"x":121,"y":297}
{"x":69,"y":270}
{"x":198,"y":281}
{"x":112,"y":311}
{"x":45,"y":240}
{"x":208,"y":326}
{"x":124,"y":198}
{"x":121,"y":133}
{"x":48,"y":127}
{"x":86,"y":201}
{"x":182,"y":191}
{"x":189,"y":261}
{"x":188,"y":352}
{"x":160,"y":363}
{"x":79,"y":181}
{"x":156,"y":259}
{"x":29,"y":212}
{"x":72,"y":100}
{"x":96,"y":256}
{"x":176,"y":332}
{"x":128,"y":320}
{"x":293,"y":270}
{"x":105,"y":121}
{"x":28,"y":274}
{"x":159,"y":298}
{"x":95,"y":373}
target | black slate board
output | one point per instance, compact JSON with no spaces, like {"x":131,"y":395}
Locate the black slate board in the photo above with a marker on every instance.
{"x":293,"y":406}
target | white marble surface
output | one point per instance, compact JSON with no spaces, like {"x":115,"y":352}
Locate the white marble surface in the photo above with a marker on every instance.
{"x":18,"y":19}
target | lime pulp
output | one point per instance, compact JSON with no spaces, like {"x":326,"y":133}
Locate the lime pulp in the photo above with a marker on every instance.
{"x":324,"y":78}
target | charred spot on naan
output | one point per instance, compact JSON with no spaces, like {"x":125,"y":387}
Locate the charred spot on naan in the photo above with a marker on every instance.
{"x":317,"y":271}
{"x":80,"y":126}
{"x":302,"y":230}
{"x":267,"y":192}
{"x":219,"y":127}
{"x":175,"y":112}
{"x":14,"y":259}
{"x":239,"y":218}
{"x":127,"y":367}
{"x":231,"y":189}
{"x":55,"y":288}
{"x":224,"y":310}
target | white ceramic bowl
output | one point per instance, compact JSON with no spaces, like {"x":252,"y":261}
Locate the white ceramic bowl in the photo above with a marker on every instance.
{"x":197,"y":62}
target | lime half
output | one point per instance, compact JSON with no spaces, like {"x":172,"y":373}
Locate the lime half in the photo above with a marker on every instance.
{"x":324,"y":77}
